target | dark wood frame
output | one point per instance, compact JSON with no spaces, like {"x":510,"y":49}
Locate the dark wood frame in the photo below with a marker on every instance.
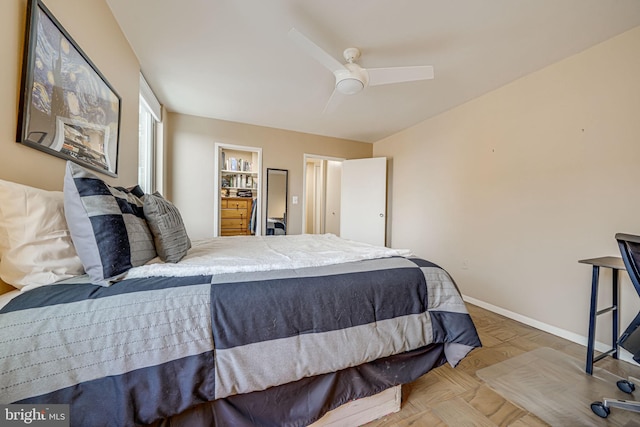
{"x":67,"y":108}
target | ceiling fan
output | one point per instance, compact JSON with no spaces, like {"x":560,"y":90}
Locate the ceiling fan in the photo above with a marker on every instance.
{"x":351,"y":78}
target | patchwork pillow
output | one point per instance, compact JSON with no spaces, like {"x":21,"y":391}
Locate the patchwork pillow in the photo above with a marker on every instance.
{"x":107,"y":225}
{"x":167,"y":227}
{"x":35,"y":242}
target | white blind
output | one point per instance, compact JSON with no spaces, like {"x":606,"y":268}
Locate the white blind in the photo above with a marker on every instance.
{"x":149,"y":98}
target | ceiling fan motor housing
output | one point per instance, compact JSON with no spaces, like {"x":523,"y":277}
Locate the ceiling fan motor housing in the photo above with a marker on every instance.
{"x":352,"y":79}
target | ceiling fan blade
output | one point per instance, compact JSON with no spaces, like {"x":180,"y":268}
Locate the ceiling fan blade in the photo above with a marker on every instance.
{"x":383,"y":76}
{"x":315,"y":51}
{"x":334,"y":100}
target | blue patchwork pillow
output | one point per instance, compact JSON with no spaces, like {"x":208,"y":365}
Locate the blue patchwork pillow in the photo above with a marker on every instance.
{"x":107,"y":225}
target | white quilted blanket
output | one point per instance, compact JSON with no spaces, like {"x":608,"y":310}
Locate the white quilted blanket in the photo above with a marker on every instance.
{"x":237,"y":254}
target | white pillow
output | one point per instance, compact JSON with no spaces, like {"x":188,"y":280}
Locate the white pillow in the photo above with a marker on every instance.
{"x":35,"y":243}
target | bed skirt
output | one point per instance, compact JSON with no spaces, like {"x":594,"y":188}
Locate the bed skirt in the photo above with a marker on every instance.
{"x":302,"y":402}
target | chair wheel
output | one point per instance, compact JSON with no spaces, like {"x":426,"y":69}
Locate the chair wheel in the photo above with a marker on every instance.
{"x":600,"y":410}
{"x":626,"y":386}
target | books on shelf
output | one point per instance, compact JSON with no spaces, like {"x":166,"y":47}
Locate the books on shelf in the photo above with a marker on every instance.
{"x":238,"y":181}
{"x":233,"y":164}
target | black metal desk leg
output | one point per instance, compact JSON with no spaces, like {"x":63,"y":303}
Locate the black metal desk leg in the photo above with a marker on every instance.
{"x":614,"y":264}
{"x":592,"y":319}
{"x":615,"y":313}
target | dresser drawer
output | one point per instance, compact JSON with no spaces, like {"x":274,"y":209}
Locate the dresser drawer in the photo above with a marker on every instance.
{"x":234,"y":232}
{"x":233,"y":213}
{"x":235,"y":204}
{"x":240,"y":223}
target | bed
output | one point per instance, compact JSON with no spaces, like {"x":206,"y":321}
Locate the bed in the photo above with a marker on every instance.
{"x":240,"y":331}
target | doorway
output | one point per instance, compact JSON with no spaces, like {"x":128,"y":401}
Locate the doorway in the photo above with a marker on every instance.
{"x":238,"y":187}
{"x":346,"y":198}
{"x":321,"y":194}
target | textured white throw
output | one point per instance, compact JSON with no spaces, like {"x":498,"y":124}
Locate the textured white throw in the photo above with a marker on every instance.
{"x":236,"y":254}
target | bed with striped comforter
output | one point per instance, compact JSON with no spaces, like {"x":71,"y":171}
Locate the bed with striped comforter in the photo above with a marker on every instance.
{"x":148,"y":348}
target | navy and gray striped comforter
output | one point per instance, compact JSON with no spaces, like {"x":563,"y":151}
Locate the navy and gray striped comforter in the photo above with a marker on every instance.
{"x":145,"y":349}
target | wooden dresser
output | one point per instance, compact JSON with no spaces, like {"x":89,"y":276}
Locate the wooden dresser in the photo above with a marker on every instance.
{"x":235,"y":215}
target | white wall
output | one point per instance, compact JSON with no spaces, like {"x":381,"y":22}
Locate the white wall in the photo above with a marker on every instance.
{"x":190,"y":144}
{"x":510,"y":190}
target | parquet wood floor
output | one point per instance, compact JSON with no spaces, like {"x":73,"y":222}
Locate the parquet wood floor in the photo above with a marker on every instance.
{"x":457,"y":397}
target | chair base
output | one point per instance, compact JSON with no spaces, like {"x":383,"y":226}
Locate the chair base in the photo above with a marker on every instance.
{"x":603,"y":409}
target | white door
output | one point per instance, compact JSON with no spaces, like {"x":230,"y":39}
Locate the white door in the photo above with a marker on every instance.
{"x":363,"y":200}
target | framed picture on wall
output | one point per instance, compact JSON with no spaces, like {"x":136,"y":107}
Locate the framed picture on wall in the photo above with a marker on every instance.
{"x":67,"y":108}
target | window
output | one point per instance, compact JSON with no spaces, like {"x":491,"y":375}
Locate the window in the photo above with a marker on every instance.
{"x":149,"y":120}
{"x":145,"y":149}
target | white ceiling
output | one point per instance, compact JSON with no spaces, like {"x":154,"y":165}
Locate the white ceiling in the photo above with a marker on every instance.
{"x":232,"y":59}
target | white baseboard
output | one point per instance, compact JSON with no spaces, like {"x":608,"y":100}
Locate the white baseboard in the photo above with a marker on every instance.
{"x":562,"y":333}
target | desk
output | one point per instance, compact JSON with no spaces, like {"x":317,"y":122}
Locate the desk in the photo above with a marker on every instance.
{"x":615,"y":264}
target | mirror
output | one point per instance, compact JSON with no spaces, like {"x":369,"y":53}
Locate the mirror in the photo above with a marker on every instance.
{"x":277,"y":187}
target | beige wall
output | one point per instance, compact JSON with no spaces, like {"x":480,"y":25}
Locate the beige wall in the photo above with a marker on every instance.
{"x":106,"y":46}
{"x":191,"y":150}
{"x":510,"y":190}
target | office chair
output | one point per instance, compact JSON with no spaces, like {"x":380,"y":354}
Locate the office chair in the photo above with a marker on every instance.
{"x":630,"y":340}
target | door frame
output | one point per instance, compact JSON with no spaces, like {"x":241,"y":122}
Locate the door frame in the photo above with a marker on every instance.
{"x":216,"y":185}
{"x":307,"y":157}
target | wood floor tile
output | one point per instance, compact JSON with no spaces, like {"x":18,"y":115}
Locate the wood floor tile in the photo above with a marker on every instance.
{"x":432,"y":390}
{"x":422,"y":419}
{"x":457,"y":412}
{"x":493,"y":406}
{"x":529,"y":420}
{"x":498,"y":353}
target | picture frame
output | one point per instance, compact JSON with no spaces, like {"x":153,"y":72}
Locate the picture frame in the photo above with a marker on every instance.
{"x":67,"y":108}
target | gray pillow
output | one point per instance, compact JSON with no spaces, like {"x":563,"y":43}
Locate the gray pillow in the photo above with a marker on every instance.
{"x":107,"y":225}
{"x":167,"y":227}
